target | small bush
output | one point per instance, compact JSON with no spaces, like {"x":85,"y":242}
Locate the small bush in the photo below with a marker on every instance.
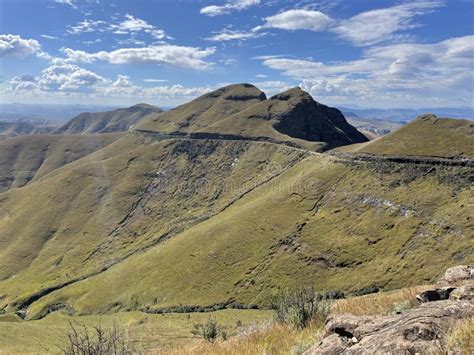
{"x":94,"y":341}
{"x":299,"y":307}
{"x":209,"y":331}
{"x":367,"y":290}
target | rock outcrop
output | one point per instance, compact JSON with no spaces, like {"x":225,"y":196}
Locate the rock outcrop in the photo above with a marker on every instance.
{"x":419,"y":330}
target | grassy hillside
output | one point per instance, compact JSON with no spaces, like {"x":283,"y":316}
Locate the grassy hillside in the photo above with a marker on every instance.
{"x":147,"y":224}
{"x":120,"y":120}
{"x":242,"y":110}
{"x":142,"y":332}
{"x":27,"y":158}
{"x":428,"y":135}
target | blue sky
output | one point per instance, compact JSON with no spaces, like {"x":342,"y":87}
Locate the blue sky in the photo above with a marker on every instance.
{"x":354,"y":52}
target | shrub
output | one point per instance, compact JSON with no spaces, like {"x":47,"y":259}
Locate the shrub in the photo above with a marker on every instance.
{"x":367,"y":290}
{"x":94,"y":341}
{"x":299,"y":307}
{"x":209,"y":331}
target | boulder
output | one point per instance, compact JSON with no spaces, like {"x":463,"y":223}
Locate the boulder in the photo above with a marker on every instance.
{"x":455,"y":276}
{"x":419,"y":330}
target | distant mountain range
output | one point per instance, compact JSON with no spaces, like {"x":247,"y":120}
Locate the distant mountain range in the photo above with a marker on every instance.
{"x":407,"y":114}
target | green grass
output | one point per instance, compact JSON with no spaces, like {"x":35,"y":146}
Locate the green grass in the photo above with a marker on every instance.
{"x":425,"y":136}
{"x":142,"y":332}
{"x":27,"y":158}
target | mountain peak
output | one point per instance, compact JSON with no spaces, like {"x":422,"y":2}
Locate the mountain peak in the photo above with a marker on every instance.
{"x":237,"y":92}
{"x":294,"y":93}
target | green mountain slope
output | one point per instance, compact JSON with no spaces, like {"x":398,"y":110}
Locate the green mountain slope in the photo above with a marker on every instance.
{"x":153,"y":221}
{"x":120,"y":120}
{"x":198,"y":222}
{"x":27,"y":158}
{"x":428,"y":135}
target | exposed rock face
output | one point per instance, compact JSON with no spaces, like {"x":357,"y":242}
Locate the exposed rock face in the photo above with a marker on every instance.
{"x":419,"y":330}
{"x":309,"y":120}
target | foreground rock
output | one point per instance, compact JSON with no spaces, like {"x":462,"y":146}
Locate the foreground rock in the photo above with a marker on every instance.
{"x":419,"y":330}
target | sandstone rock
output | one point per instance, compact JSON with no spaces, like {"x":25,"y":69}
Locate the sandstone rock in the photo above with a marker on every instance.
{"x":455,"y":276}
{"x":420,"y":330}
{"x":465,"y":292}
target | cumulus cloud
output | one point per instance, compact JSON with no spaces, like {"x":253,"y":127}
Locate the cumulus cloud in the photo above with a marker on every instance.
{"x":16,"y":47}
{"x":68,"y":77}
{"x":403,"y":70}
{"x":364,"y":29}
{"x":299,"y":19}
{"x":180,"y":56}
{"x":62,"y":79}
{"x":230,"y":6}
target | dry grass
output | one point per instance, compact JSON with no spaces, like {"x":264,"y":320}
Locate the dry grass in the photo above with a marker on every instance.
{"x":460,"y":339}
{"x":380,"y":303}
{"x":269,"y":338}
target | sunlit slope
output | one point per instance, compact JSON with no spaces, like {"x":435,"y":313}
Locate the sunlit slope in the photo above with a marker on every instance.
{"x":26,"y":158}
{"x":243,"y":110}
{"x":428,"y":135}
{"x":120,"y":120}
{"x":330,"y":223}
{"x":134,"y":194}
{"x":205,"y":110}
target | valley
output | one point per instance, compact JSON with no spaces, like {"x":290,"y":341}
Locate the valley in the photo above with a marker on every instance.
{"x":219,"y":205}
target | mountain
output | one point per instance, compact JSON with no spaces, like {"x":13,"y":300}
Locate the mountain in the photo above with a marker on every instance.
{"x":408,"y":114}
{"x":25,"y":159}
{"x":372,"y":127}
{"x":120,"y":120}
{"x":242,"y":110}
{"x":153,"y":221}
{"x":12,"y":129}
{"x":427,"y":135}
{"x":46,"y":114}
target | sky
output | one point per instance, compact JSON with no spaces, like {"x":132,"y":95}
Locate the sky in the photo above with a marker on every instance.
{"x":359,"y":53}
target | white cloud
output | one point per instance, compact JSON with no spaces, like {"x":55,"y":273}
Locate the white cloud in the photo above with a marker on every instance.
{"x":49,"y":37}
{"x":228,"y":34}
{"x":375,"y":26}
{"x":272,"y":87}
{"x":299,"y":19}
{"x":16,"y":47}
{"x":261,"y":76}
{"x":364,"y":29}
{"x":66,"y":2}
{"x":131,"y":24}
{"x":403,"y":71}
{"x":68,"y":77}
{"x":180,"y":56}
{"x":230,"y":6}
{"x":65,"y":80}
{"x":155,"y":80}
{"x":87,"y":26}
